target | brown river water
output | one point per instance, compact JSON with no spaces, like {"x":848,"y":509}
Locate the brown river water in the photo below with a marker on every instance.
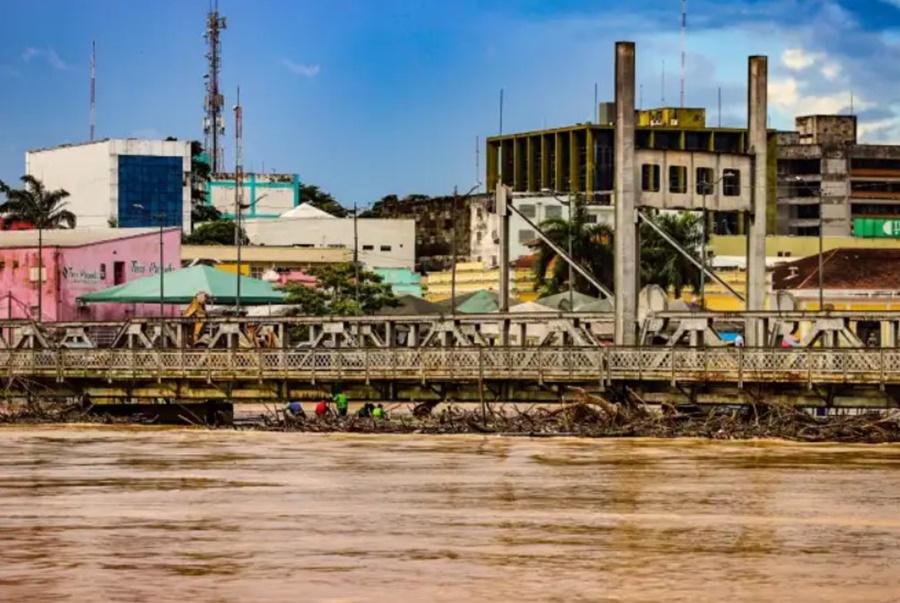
{"x":146,"y":515}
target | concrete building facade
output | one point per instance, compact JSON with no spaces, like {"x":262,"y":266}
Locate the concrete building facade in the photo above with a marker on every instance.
{"x":266,"y":195}
{"x":823,"y":173}
{"x":76,"y":262}
{"x":380,"y":243}
{"x":129,"y":183}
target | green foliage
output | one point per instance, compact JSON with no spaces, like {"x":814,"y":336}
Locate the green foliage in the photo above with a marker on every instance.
{"x":201,"y":173}
{"x":35,"y":205}
{"x":593,"y":247}
{"x":321,"y":200}
{"x":220,"y":232}
{"x":335,"y":293}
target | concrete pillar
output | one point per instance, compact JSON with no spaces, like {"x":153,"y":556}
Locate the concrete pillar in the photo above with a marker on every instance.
{"x":626,"y":238}
{"x":757,"y":143}
{"x":501,"y":202}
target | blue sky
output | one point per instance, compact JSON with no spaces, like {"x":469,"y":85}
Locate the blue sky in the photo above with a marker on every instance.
{"x":367,"y":98}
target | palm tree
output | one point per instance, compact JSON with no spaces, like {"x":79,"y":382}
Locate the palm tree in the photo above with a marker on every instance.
{"x":660,"y":264}
{"x":40,"y":208}
{"x":592,"y":248}
{"x":35,"y":205}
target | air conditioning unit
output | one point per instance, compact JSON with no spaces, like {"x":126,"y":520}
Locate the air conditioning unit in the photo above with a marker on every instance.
{"x":36,"y":274}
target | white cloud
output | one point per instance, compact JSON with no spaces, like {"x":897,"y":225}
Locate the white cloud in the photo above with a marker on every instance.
{"x":797,"y":59}
{"x":301,"y":69}
{"x":830,"y":71}
{"x":787,"y":95}
{"x":49,"y":55}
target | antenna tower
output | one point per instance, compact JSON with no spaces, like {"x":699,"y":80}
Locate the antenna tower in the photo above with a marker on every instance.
{"x":93,"y":88}
{"x":214,"y":123}
{"x":683,"y":47}
{"x":238,"y":164}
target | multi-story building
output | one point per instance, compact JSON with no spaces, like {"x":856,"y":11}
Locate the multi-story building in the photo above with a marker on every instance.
{"x":827,"y":179}
{"x":120,"y":182}
{"x":264,"y":195}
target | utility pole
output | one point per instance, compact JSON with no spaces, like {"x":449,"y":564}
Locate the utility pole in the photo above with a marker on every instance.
{"x":453,"y":247}
{"x":238,"y":190}
{"x":93,"y":88}
{"x":356,"y":253}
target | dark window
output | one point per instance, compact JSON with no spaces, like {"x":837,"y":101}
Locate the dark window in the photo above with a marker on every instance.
{"x":553,"y":211}
{"x":650,"y":177}
{"x":807,"y":212}
{"x":705,"y":179}
{"x":118,"y":273}
{"x":526,"y":236}
{"x":368,"y":247}
{"x":150,"y":191}
{"x":811,"y":231}
{"x":527,"y":210}
{"x":385,"y":248}
{"x":677,"y":179}
{"x":731,"y":183}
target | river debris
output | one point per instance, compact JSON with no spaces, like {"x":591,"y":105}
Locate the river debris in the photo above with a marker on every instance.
{"x":591,"y":415}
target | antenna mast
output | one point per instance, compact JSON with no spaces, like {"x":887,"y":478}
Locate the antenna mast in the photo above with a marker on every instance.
{"x":238,"y":190}
{"x":214,"y":123}
{"x":93,"y":88}
{"x":683,"y":47}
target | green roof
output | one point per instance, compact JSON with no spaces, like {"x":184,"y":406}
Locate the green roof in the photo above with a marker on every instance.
{"x":181,"y":286}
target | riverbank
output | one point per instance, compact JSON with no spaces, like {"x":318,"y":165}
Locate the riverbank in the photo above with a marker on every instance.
{"x":590,"y":416}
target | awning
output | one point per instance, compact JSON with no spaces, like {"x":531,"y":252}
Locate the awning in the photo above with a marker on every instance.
{"x":181,"y":286}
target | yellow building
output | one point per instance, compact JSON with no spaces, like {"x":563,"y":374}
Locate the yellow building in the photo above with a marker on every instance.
{"x":475,"y":276}
{"x":257,"y":259}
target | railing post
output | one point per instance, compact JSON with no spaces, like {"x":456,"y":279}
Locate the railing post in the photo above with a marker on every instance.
{"x":740,"y":360}
{"x":882,"y":359}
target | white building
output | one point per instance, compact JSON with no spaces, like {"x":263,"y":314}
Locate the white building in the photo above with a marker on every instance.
{"x":485,"y":235}
{"x":381,"y":243}
{"x":120,"y":182}
{"x":266,"y":195}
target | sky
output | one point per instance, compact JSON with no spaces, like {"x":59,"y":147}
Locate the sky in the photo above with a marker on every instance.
{"x":367,"y":98}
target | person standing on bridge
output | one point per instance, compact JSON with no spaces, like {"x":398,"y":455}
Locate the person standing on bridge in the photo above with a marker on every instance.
{"x":340,"y":401}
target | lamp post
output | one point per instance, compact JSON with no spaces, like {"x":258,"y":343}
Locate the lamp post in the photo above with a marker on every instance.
{"x":705,"y":189}
{"x":454,"y":210}
{"x":40,"y":226}
{"x":162,"y":271}
{"x":821,"y":279}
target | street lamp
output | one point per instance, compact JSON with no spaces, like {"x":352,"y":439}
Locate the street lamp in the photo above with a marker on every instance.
{"x":706,"y":187}
{"x":568,"y":204}
{"x":162,"y":271}
{"x":818,"y":192}
{"x":456,"y":199}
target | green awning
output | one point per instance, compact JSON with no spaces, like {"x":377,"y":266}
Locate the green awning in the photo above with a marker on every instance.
{"x":181,"y":286}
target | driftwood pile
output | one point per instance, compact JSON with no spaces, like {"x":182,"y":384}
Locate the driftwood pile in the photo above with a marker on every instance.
{"x":594,"y":416}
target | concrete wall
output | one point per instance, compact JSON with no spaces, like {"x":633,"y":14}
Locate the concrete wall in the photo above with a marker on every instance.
{"x":667,"y":196}
{"x":70,"y":272}
{"x":89,"y":172}
{"x":382,"y":243}
{"x":268,"y":195}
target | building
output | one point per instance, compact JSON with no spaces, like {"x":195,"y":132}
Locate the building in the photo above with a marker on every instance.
{"x":379,"y":243}
{"x":129,"y":183}
{"x":265,"y":195}
{"x":477,"y":276}
{"x":76,"y":262}
{"x":257,"y":260}
{"x":825,"y":174}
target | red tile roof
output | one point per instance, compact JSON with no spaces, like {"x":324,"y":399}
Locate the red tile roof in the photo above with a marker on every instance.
{"x":845,"y":268}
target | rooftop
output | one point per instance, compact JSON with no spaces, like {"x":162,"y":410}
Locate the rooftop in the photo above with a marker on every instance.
{"x":78,"y":237}
{"x":843,"y":268}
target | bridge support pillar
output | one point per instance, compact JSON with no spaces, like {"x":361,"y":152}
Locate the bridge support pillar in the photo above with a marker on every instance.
{"x":757,"y":143}
{"x":626,"y":239}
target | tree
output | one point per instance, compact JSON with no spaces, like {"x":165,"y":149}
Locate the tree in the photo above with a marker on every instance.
{"x":35,"y":205}
{"x":592,"y":248}
{"x":335,"y":292}
{"x":321,"y":200}
{"x":220,"y":232}
{"x":201,"y":173}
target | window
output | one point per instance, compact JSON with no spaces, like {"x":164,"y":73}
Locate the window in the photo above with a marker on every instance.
{"x":118,"y":273}
{"x":650,"y":178}
{"x":553,"y":211}
{"x":368,"y":248}
{"x":528,"y":211}
{"x":705,"y":179}
{"x":526,"y":236}
{"x":256,"y":271}
{"x":731,"y":183}
{"x":591,"y":218}
{"x":102,"y":272}
{"x":807,"y":212}
{"x":677,"y":179}
{"x":385,"y":248}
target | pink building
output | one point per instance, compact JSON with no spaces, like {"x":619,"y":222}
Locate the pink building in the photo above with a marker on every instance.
{"x":77,"y":262}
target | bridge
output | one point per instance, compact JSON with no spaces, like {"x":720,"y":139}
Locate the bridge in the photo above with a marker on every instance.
{"x":525,"y":356}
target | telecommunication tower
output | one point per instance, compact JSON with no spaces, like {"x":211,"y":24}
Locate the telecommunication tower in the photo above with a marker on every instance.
{"x":214,"y":123}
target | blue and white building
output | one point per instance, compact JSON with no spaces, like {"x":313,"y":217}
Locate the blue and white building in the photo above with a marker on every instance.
{"x":266,"y":195}
{"x":128,"y":183}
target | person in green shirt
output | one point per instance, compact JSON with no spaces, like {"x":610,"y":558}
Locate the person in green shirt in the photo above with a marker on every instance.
{"x":340,"y":400}
{"x":378,"y":412}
